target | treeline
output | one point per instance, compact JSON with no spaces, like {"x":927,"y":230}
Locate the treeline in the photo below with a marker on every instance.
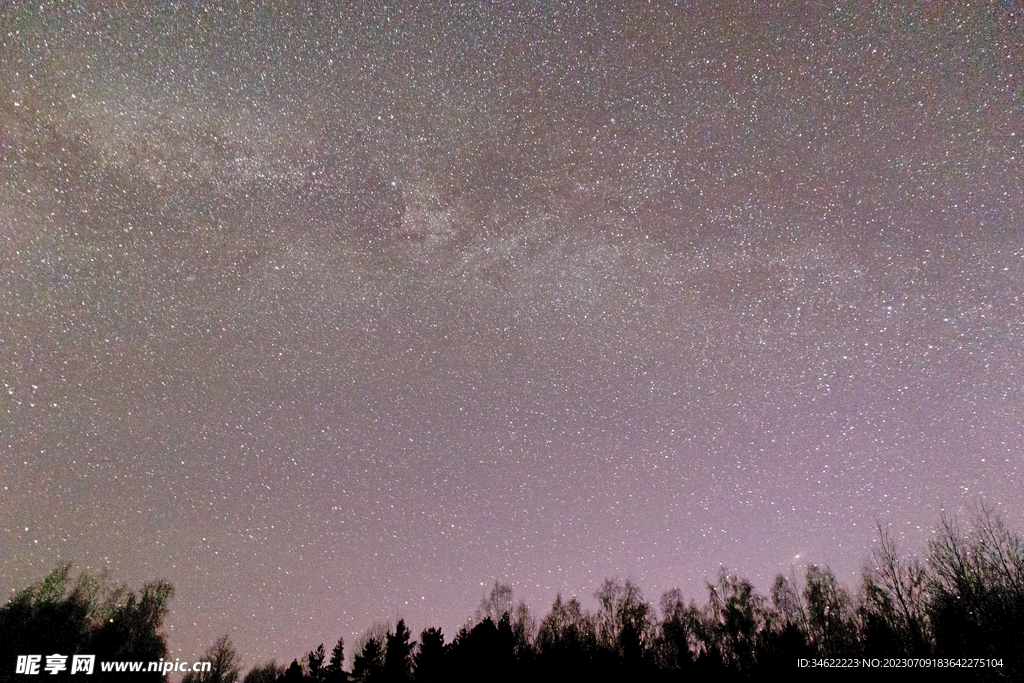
{"x":88,"y":616}
{"x":963,"y":599}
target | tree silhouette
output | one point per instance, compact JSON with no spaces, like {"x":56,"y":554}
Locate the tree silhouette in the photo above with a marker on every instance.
{"x":269,"y":672}
{"x":429,"y":658}
{"x":295,"y":673}
{"x":333,"y":672}
{"x":624,"y":622}
{"x":499,"y":602}
{"x":829,"y":614}
{"x":224,"y":664}
{"x":567,"y":642}
{"x":784,"y":638}
{"x":315,"y":664}
{"x":46,"y":616}
{"x":131,"y":624}
{"x":787,"y":604}
{"x":966,"y":599}
{"x":368,"y":665}
{"x":485,"y":651}
{"x":524,"y":630}
{"x":896,"y":601}
{"x":977,"y":590}
{"x":674,"y":644}
{"x":398,"y":655}
{"x":736,"y":617}
{"x":92,"y":617}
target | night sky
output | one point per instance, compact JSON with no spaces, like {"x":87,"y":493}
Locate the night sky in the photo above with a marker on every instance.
{"x":334,"y":316}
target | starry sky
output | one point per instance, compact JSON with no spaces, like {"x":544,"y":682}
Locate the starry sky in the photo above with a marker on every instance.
{"x":333,"y":315}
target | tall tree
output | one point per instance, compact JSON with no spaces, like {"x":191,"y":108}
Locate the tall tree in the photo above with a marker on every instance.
{"x":429,"y":658}
{"x":789,"y":608}
{"x":524,"y":629}
{"x":829,"y":614}
{"x":567,"y":642}
{"x":784,"y":636}
{"x":131,"y":623}
{"x":737,"y":616}
{"x":398,"y":655}
{"x":677,"y":629}
{"x":368,"y":665}
{"x":334,"y":673}
{"x":625,"y":625}
{"x":224,"y":663}
{"x":295,"y":673}
{"x":977,"y":590}
{"x":895,"y":593}
{"x":497,"y":603}
{"x":485,"y":652}
{"x":315,"y":663}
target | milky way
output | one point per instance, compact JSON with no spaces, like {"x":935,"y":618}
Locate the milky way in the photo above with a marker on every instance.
{"x":336,"y":316}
